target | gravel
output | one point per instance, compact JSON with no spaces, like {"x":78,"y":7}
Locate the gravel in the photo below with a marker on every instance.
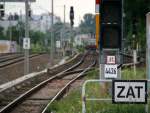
{"x":16,"y":70}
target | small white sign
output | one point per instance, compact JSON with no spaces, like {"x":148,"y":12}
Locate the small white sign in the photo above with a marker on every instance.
{"x":110,"y":71}
{"x":58,"y":45}
{"x":26,"y":43}
{"x":111,"y":60}
{"x":132,"y":91}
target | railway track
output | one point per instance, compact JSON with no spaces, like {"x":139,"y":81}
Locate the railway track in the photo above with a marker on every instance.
{"x":13,"y":96}
{"x":14,"y":59}
{"x":128,"y":59}
{"x":8,"y":54}
{"x":7,"y":57}
{"x":33,"y":95}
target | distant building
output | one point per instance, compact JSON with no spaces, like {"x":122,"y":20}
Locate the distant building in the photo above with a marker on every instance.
{"x":83,"y":40}
{"x":36,"y":22}
{"x":7,"y":46}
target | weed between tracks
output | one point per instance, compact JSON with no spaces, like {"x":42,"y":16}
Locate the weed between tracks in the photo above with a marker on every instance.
{"x":73,"y":104}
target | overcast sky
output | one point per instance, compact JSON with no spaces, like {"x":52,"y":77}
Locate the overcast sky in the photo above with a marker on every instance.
{"x":80,"y":8}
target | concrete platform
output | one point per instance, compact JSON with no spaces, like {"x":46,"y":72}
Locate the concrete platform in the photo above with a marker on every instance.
{"x":26,"y":77}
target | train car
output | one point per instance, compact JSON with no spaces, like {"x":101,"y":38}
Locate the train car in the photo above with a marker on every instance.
{"x":90,"y":44}
{"x":91,"y":47}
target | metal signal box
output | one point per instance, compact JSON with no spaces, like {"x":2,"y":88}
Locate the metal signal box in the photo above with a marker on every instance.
{"x":111,"y":24}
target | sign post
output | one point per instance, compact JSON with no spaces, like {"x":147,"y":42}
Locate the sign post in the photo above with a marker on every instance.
{"x":148,"y":50}
{"x":148,"y":45}
{"x":134,"y":60}
{"x":26,"y":43}
{"x":26,"y":53}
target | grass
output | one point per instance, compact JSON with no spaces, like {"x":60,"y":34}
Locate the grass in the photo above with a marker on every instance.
{"x":73,"y":104}
{"x":129,"y":73}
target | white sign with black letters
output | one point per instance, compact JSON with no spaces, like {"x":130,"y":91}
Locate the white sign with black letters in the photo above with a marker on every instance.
{"x":58,"y":44}
{"x":26,"y":43}
{"x":110,"y":71}
{"x":133,"y":91}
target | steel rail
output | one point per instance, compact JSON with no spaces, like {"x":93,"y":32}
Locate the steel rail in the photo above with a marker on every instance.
{"x":37,"y":75}
{"x":31,"y":91}
{"x":62,"y":91}
{"x":15,"y":56}
{"x":3,"y":59}
{"x":2,"y":55}
{"x":15,"y":60}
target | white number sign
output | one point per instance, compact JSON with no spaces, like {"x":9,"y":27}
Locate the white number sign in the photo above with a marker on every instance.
{"x":110,"y":71}
{"x":26,"y":43}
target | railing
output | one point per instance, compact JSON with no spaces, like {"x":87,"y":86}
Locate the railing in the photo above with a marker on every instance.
{"x":84,"y":99}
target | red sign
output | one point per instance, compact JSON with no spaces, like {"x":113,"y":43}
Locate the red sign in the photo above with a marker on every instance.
{"x":98,"y":1}
{"x":111,"y":60}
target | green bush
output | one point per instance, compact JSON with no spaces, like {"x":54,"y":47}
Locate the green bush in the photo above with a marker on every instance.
{"x":37,"y":48}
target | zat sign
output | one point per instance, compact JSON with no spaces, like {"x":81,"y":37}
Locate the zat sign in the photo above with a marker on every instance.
{"x":111,"y":60}
{"x":110,"y":71}
{"x":130,"y":91}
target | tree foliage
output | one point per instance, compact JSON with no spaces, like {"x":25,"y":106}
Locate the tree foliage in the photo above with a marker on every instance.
{"x":2,"y":35}
{"x":88,"y":24}
{"x":136,"y":9}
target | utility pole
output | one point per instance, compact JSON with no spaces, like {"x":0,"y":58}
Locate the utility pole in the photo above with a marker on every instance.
{"x":71,"y":23}
{"x":20,"y":30}
{"x":26,"y":52}
{"x":63,"y":45}
{"x":52,"y":38}
{"x":148,"y":45}
{"x":10,"y":30}
{"x":148,"y":54}
{"x":64,"y":14}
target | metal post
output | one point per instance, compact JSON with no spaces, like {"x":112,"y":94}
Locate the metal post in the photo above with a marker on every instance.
{"x":20,"y":29}
{"x":71,"y":40}
{"x":26,"y":53}
{"x":134,"y":60}
{"x":61,"y":41}
{"x":10,"y":31}
{"x":148,"y":52}
{"x":83,"y":99}
{"x":52,"y":38}
{"x":63,"y":49}
{"x":148,"y":46}
{"x":64,"y":14}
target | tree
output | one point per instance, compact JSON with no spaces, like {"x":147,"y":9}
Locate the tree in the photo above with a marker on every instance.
{"x":2,"y":36}
{"x":136,"y":9}
{"x":88,"y":24}
{"x":37,"y":37}
{"x":57,"y":30}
